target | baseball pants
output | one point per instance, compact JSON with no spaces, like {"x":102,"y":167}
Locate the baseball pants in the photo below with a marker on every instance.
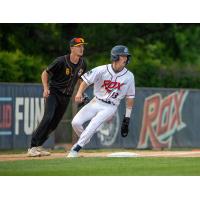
{"x":55,"y":107}
{"x":96,"y":111}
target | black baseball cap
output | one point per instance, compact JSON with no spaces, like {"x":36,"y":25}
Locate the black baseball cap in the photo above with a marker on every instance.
{"x":76,"y":42}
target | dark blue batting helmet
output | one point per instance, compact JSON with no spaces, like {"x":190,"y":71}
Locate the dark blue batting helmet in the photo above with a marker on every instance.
{"x":120,"y":50}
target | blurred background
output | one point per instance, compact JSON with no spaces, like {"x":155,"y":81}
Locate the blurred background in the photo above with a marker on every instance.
{"x":160,"y":51}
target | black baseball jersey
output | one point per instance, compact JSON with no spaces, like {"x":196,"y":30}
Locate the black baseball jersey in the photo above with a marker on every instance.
{"x":63,"y":74}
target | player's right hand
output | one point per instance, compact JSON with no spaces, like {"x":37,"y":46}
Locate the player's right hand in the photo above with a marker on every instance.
{"x":78,"y":98}
{"x":46,"y":93}
{"x":85,"y":100}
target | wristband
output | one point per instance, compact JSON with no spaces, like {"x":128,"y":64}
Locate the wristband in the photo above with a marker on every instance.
{"x":128,"y":112}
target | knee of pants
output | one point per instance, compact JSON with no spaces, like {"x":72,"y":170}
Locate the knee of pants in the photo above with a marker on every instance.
{"x":76,"y":124}
{"x":54,"y":125}
{"x":48,"y":119}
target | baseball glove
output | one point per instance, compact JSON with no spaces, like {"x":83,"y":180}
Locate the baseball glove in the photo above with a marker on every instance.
{"x":85,"y":101}
{"x":124,"y":127}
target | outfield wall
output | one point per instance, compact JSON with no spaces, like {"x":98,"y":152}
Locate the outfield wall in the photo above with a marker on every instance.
{"x":21,"y":108}
{"x":162,"y":118}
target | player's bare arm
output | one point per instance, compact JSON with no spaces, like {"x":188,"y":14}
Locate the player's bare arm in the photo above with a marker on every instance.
{"x":129,"y":106}
{"x":44,"y":78}
{"x":79,"y":95}
{"x":79,"y":83}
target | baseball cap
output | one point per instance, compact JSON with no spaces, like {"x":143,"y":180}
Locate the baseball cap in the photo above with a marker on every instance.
{"x":76,"y":42}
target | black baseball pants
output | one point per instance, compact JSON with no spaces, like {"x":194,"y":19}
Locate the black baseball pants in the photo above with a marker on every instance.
{"x":55,"y":107}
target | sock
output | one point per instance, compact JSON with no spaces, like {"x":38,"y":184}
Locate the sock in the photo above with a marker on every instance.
{"x":77,"y":148}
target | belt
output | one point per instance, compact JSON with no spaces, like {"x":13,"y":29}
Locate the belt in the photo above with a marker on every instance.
{"x":108,"y":102}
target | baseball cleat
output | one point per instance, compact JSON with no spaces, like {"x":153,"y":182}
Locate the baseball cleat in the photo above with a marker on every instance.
{"x":33,"y":152}
{"x":72,"y":154}
{"x":42,"y":151}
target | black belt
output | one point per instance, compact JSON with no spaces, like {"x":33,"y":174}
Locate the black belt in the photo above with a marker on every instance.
{"x":108,"y":102}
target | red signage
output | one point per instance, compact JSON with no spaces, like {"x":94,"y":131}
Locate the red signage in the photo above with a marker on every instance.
{"x":109,"y":85}
{"x":162,"y":118}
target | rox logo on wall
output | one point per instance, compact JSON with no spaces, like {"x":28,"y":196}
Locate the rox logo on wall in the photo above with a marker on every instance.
{"x":162,"y":117}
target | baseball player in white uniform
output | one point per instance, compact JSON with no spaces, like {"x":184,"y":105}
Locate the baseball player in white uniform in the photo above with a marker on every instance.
{"x":112,"y":82}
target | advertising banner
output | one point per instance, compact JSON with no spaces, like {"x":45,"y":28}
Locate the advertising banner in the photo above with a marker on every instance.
{"x":21,"y":109}
{"x":161,"y":118}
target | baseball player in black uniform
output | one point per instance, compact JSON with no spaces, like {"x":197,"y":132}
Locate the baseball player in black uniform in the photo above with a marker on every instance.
{"x":59,"y":80}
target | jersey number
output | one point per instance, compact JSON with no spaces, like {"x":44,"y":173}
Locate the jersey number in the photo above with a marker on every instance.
{"x":114,"y":95}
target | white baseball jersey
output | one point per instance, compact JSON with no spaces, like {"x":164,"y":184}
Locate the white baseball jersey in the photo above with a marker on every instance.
{"x":109,"y":85}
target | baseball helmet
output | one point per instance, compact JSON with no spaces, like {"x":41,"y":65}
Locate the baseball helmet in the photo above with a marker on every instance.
{"x":120,"y":50}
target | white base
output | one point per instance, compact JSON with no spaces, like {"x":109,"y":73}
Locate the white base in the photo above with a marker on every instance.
{"x":123,"y":154}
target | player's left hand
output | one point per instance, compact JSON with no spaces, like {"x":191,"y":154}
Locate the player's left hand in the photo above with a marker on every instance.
{"x":124,"y":127}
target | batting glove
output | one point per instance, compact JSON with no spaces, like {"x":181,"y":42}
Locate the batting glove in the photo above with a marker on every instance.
{"x":124,"y":127}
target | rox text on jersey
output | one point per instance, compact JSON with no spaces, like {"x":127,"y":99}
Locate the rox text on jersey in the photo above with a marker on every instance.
{"x":109,"y":85}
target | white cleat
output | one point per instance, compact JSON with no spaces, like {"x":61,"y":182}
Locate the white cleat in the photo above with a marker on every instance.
{"x":33,"y":152}
{"x":42,"y":151}
{"x":72,"y":154}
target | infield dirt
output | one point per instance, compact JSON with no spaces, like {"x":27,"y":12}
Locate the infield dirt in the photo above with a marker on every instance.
{"x":23,"y":156}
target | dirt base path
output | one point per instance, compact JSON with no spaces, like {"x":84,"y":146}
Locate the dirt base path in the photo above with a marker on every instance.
{"x":13,"y":157}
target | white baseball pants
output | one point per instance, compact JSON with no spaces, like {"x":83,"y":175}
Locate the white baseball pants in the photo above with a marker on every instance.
{"x":96,"y":111}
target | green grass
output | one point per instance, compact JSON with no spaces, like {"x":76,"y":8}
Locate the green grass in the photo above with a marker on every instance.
{"x":103,"y":167}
